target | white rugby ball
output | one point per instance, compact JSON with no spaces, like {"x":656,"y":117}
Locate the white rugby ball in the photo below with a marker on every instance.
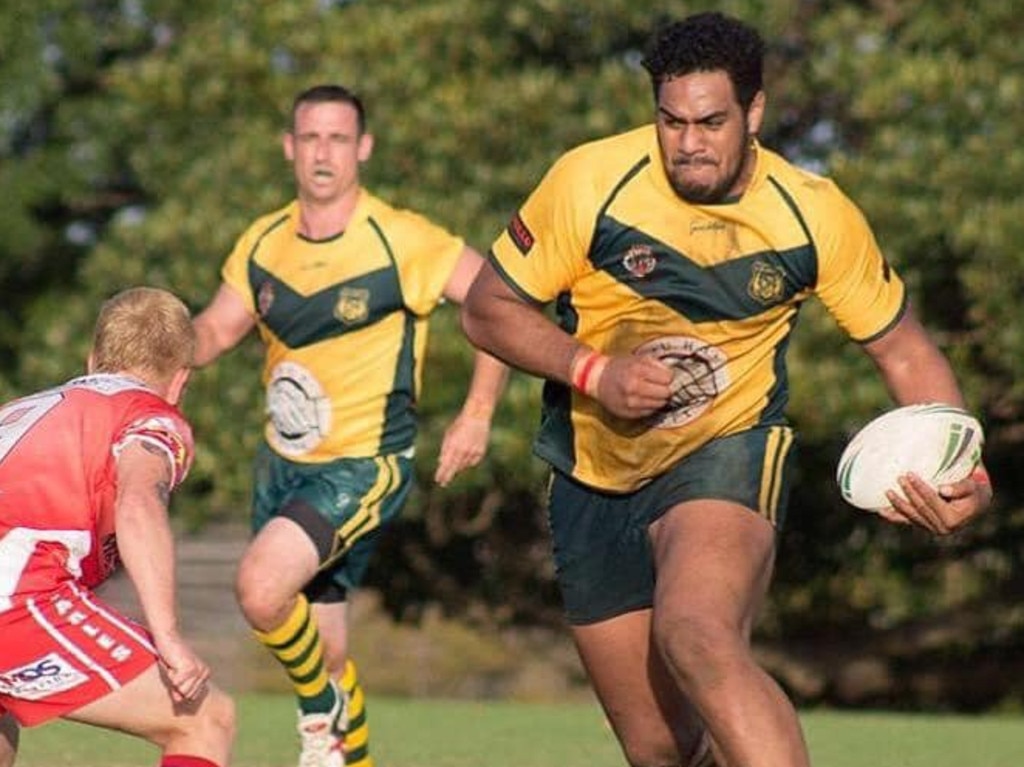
{"x":939,"y":443}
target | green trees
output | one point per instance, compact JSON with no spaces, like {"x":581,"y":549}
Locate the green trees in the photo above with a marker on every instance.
{"x":137,"y":139}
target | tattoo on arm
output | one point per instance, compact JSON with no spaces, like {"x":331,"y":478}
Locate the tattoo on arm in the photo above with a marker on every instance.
{"x":162,"y":487}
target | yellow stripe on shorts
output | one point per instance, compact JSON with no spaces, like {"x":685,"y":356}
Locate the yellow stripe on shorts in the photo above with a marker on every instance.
{"x":367,"y":517}
{"x":779,"y":441}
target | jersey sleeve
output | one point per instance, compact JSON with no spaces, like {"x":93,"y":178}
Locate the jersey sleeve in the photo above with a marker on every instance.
{"x":543,"y":250}
{"x":426,"y":254}
{"x":856,"y":284}
{"x":235,"y":271}
{"x":166,"y":431}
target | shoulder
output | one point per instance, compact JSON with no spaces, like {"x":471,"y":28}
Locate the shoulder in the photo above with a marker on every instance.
{"x":816,"y":196}
{"x":395,"y":221}
{"x":269,"y":222}
{"x":606,"y":160}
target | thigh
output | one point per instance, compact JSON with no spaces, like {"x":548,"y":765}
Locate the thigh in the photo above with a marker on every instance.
{"x":343,"y":508}
{"x":63,"y":651}
{"x":143,"y":708}
{"x":714,"y":560}
{"x":650,"y":716}
{"x":713,"y":541}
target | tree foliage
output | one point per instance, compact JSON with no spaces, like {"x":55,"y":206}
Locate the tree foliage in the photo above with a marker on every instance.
{"x":138,"y":138}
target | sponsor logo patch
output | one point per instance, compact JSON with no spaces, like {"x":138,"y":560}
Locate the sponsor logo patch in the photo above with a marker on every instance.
{"x":699,"y":376}
{"x":639,"y":260}
{"x":299,"y":410}
{"x":520,"y":234}
{"x":41,"y":678}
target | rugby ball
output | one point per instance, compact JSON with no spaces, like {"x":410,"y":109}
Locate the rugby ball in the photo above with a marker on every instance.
{"x":939,"y":443}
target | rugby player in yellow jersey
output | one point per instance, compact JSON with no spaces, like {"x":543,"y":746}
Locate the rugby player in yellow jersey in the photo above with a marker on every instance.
{"x":340,"y":286}
{"x":678,"y":255}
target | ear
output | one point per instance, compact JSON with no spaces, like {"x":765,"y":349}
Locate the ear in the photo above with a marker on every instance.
{"x":755,"y":115}
{"x":365,"y":147}
{"x":288,"y":144}
{"x":176,"y":387}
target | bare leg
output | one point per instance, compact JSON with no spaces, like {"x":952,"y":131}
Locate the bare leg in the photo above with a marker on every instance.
{"x":654,"y":723}
{"x":9,"y":735}
{"x":714,"y":562}
{"x":204,"y":728}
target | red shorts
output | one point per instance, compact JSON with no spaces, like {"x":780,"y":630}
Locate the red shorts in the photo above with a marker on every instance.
{"x":61,"y":651}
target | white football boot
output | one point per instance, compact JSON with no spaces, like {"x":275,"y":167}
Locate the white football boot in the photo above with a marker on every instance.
{"x":323,"y":735}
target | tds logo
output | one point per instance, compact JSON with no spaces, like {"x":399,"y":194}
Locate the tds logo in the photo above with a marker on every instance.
{"x":40,"y":678}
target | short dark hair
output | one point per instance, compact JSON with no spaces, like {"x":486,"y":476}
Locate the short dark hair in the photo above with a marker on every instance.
{"x":330,"y":93}
{"x":708,"y":42}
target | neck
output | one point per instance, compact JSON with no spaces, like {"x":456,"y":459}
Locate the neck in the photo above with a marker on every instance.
{"x":320,"y":220}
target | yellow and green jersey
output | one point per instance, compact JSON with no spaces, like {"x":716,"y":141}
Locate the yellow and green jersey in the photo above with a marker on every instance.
{"x":344,"y":321}
{"x":712,"y":290}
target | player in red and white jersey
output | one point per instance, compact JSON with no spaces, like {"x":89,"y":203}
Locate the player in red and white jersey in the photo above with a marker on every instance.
{"x":59,"y":526}
{"x":86,"y":472}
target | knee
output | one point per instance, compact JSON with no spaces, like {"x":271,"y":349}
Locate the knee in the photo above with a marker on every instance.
{"x":208,"y":728}
{"x":254,"y":600}
{"x":220,"y":718}
{"x":696,"y":646}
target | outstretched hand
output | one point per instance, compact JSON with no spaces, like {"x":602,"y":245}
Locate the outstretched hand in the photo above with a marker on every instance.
{"x":463,"y":446}
{"x":941,"y":511}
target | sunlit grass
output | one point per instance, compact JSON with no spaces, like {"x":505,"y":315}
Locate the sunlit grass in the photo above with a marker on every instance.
{"x":444,"y":733}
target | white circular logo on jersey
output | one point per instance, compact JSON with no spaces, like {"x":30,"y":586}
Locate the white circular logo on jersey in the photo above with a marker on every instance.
{"x":299,"y":411}
{"x":699,"y":375}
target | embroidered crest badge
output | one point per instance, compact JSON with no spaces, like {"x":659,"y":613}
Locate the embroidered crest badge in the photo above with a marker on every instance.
{"x":639,"y":260}
{"x":353,"y":305}
{"x":766,"y":283}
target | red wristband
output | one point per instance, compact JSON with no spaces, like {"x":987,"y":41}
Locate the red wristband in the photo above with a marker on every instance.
{"x":980,"y":475}
{"x":582,"y":370}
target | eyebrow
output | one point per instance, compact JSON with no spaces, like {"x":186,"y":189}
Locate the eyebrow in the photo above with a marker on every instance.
{"x":720,"y":113}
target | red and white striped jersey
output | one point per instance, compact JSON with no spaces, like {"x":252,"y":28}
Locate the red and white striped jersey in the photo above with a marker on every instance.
{"x":58,"y":478}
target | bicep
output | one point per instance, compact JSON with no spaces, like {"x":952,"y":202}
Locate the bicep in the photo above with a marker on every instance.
{"x":145,"y":475}
{"x":912,"y":365}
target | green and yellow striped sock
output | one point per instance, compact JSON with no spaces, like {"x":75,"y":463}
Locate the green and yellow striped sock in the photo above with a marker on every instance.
{"x":357,"y":736}
{"x":296,"y":646}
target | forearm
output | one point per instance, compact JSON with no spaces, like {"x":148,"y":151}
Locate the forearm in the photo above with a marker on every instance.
{"x":922,"y":375}
{"x":520,"y":335}
{"x":485,"y":387}
{"x":208,"y":345}
{"x":221,"y":325}
{"x":146,"y":546}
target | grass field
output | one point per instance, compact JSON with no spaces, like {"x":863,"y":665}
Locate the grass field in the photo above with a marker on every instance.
{"x":436,"y":733}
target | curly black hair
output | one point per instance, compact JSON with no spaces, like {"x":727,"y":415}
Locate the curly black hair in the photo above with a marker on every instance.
{"x":708,"y":42}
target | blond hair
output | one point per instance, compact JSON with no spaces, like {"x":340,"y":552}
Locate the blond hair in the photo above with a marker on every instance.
{"x":144,"y":331}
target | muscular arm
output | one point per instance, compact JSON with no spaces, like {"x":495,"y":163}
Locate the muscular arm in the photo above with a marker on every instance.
{"x":500,"y":321}
{"x":912,"y":366}
{"x":146,"y":545}
{"x":915,"y":370}
{"x":221,"y":325}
